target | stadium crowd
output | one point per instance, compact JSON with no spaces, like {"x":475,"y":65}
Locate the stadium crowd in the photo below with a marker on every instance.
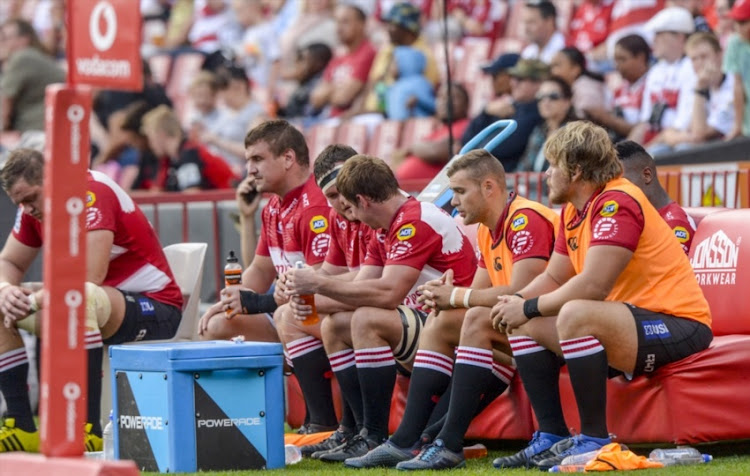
{"x":398,"y":281}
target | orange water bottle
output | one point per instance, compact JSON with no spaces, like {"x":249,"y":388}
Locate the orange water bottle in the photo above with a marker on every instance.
{"x":310,"y":301}
{"x":232,"y":273}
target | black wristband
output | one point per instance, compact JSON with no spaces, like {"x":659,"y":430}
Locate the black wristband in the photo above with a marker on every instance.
{"x":703,"y":92}
{"x":531,"y":308}
{"x":518,"y":294}
{"x":254,"y":303}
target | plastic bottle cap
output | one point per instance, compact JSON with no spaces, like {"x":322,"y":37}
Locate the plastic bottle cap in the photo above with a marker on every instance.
{"x":232,"y":258}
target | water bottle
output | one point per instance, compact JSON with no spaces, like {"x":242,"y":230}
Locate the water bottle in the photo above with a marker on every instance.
{"x":577,"y":463}
{"x":292,"y":454}
{"x":310,"y":301}
{"x":682,"y":455}
{"x":232,"y":273}
{"x":108,"y":437}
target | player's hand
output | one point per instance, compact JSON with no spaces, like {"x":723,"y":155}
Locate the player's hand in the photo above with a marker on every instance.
{"x":435,"y":294}
{"x":247,"y":210}
{"x":14,"y":304}
{"x":212,"y":311}
{"x":279,"y":292}
{"x":301,"y":310}
{"x":508,"y":314}
{"x":230,"y":301}
{"x":301,"y":281}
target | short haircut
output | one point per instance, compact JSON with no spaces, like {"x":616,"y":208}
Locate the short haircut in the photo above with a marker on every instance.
{"x":463,"y":92}
{"x":368,"y":176}
{"x":25,"y":29}
{"x":581,"y":146}
{"x":26,"y":164}
{"x":635,"y":45}
{"x":633,"y":155}
{"x":234,"y":73}
{"x":565,"y":89}
{"x":161,"y":118}
{"x":478,"y":164}
{"x":331,"y":155}
{"x":546,"y":8}
{"x":206,"y":78}
{"x":319,"y":51}
{"x":361,"y":15}
{"x":703,"y":37}
{"x":280,"y":137}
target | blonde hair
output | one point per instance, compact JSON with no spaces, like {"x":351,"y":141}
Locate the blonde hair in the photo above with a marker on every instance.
{"x":206,"y":78}
{"x":581,"y":146}
{"x":161,"y":118}
{"x":703,"y":37}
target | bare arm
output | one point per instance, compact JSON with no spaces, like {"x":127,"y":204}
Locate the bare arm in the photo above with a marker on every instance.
{"x":259,"y":275}
{"x":434,"y":152}
{"x":344,"y":94}
{"x":98,"y":249}
{"x":699,"y":128}
{"x":558,"y":272}
{"x":739,"y":107}
{"x":15,"y":260}
{"x":6,"y":107}
{"x":524,"y":272}
{"x":321,"y":95}
{"x":248,"y":232}
{"x":605,"y":118}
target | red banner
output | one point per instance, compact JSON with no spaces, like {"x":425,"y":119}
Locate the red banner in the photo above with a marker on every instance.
{"x":64,"y":387}
{"x":104,"y":39}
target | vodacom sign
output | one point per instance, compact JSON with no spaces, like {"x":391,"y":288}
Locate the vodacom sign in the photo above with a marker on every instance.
{"x":105,"y":37}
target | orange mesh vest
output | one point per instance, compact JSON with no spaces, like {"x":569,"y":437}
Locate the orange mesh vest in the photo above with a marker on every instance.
{"x":659,"y":277}
{"x":499,"y":259}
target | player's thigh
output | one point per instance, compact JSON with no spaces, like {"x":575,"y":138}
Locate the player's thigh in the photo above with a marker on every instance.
{"x":336,"y":331}
{"x":370,"y":323}
{"x":290,"y":328}
{"x":442,"y":329}
{"x":140,"y":318}
{"x":257,"y":327}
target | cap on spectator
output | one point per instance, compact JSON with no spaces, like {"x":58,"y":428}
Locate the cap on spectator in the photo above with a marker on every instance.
{"x":364,"y":6}
{"x":673,"y":19}
{"x":530,"y":69}
{"x":740,"y":11}
{"x":502,"y":63}
{"x":404,"y":15}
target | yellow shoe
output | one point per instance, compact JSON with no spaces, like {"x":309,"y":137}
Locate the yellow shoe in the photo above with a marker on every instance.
{"x":90,"y":440}
{"x":15,"y":439}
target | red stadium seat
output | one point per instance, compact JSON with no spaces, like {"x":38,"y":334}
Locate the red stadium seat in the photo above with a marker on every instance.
{"x":319,"y":137}
{"x":385,"y":139}
{"x":480,"y":92}
{"x":699,"y":213}
{"x":184,"y":70}
{"x":416,"y":129}
{"x":159,"y":65}
{"x":476,"y":52}
{"x":353,"y":135}
{"x":507,"y":45}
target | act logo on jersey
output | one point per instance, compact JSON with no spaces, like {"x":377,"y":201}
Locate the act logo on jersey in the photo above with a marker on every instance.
{"x":406,"y":232}
{"x":318,"y":224}
{"x":90,"y":199}
{"x":610,"y":208}
{"x":519,"y":222}
{"x":681,"y":233}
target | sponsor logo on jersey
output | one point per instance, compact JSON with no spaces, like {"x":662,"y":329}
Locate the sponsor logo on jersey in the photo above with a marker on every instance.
{"x":519,"y":222}
{"x":715,"y":260}
{"x":147,"y":307}
{"x":605,"y":228}
{"x":610,"y":208}
{"x":655,"y":330}
{"x":521,"y":242}
{"x":90,"y":199}
{"x":93,"y":217}
{"x":573,"y":243}
{"x":406,"y":232}
{"x":498,"y":264}
{"x":318,"y":224}
{"x":681,"y":233}
{"x":320,"y":244}
{"x":399,"y":250}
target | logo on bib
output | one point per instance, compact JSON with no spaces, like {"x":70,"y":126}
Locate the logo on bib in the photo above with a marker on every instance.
{"x":519,"y":222}
{"x":90,"y":199}
{"x":318,"y":224}
{"x":610,"y":208}
{"x":406,"y":232}
{"x":681,"y":233}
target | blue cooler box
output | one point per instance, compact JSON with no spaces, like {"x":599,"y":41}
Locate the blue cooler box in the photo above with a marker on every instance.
{"x":198,"y":406}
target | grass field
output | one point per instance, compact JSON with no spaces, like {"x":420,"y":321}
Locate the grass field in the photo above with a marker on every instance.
{"x":729,"y":459}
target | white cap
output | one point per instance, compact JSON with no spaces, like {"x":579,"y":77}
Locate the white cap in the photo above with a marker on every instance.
{"x":672,"y":19}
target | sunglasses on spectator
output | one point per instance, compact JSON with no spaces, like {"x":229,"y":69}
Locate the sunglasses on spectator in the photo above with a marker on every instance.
{"x":551,"y":97}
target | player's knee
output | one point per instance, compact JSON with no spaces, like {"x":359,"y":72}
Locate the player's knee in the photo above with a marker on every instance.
{"x":98,"y":306}
{"x":476,"y":319}
{"x":572,"y":315}
{"x":336,"y":327}
{"x":366,"y":321}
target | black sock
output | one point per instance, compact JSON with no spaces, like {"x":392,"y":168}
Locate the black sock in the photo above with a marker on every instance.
{"x":14,"y":372}
{"x":347,"y":416}
{"x":93,"y":405}
{"x":344,"y":368}
{"x":429,"y":380}
{"x":310,"y":367}
{"x":472,"y":376}
{"x":540,"y":373}
{"x":587,"y":364}
{"x":377,"y":376}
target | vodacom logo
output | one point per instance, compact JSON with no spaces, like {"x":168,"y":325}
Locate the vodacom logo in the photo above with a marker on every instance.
{"x":103,"y":41}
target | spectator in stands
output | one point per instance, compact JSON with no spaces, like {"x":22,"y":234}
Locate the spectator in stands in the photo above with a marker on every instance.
{"x":26,"y":73}
{"x":209,"y":23}
{"x":411,"y":94}
{"x":204,"y":96}
{"x":148,"y":163}
{"x":461,"y":358}
{"x":311,"y":62}
{"x":345,"y":77}
{"x":629,"y":18}
{"x":526,"y":77}
{"x":403,"y":22}
{"x":632,"y":60}
{"x":589,"y":29}
{"x":120,"y":161}
{"x":239,"y":114}
{"x":588,"y":88}
{"x":424,"y":159}
{"x":314,"y":25}
{"x":540,"y":31}
{"x":258,"y":47}
{"x":713,"y":109}
{"x":640,"y":168}
{"x":420,"y":243}
{"x":555,"y":102}
{"x":345,"y":257}
{"x":695,"y":7}
{"x":624,"y":243}
{"x":501,"y":80}
{"x":278,"y":164}
{"x":184,"y":165}
{"x":479,"y":18}
{"x":737,"y":63}
{"x":668,"y":96}
{"x":724,"y":23}
{"x":130,"y":292}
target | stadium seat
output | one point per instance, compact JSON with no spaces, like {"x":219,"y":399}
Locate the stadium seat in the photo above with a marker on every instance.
{"x":319,"y":137}
{"x":699,"y":213}
{"x":385,"y":139}
{"x":507,"y":45}
{"x":160,"y":65}
{"x":416,"y":129}
{"x":476,"y":52}
{"x":353,"y":135}
{"x":481,"y":92}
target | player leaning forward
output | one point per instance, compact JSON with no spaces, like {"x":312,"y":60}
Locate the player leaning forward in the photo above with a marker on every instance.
{"x":618,"y":292}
